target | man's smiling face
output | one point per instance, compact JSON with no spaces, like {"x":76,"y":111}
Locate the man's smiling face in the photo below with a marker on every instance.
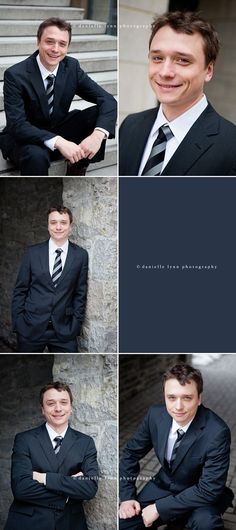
{"x":177,"y":70}
{"x":53,"y":46}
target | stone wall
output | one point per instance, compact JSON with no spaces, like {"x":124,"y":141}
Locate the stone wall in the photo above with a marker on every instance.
{"x":93,"y":202}
{"x":93,"y":380}
{"x":22,"y":377}
{"x":23,"y":207}
{"x":138,"y":372}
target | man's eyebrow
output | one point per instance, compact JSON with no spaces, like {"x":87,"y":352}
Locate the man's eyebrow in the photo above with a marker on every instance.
{"x":175,"y":52}
{"x":183,"y":395}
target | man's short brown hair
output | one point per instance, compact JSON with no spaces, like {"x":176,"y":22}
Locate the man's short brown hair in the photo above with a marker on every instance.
{"x":190,"y":22}
{"x":58,"y":385}
{"x":54,"y":21}
{"x":184,"y":373}
{"x":61,"y":209}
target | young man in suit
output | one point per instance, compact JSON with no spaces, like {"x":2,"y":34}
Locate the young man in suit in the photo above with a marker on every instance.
{"x":184,"y":135}
{"x":54,"y":468}
{"x":37,"y":96}
{"x":49,"y":297}
{"x":192,"y":445}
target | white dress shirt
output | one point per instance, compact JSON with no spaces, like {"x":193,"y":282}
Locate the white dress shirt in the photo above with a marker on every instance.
{"x":52,"y":253}
{"x":173,"y":437}
{"x":179,"y":127}
{"x":44,"y":73}
{"x":52,"y":434}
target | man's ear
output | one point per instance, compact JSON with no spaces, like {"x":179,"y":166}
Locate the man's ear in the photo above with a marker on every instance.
{"x":209,"y":72}
{"x":199,"y":399}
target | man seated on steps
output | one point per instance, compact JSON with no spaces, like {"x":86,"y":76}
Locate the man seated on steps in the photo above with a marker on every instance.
{"x":37,"y":96}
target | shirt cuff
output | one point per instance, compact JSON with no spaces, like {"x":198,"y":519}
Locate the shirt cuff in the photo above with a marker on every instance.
{"x":51,"y":143}
{"x":104,"y":131}
{"x":45,"y":478}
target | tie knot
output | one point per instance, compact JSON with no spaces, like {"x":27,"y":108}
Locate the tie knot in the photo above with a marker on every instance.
{"x":167,"y":131}
{"x":58,"y":251}
{"x":50,"y":78}
{"x":180,"y":433}
{"x":58,"y":440}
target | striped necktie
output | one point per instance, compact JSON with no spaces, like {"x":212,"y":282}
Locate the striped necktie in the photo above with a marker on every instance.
{"x":50,"y":91}
{"x":57,"y":267}
{"x":58,"y":441}
{"x":180,"y":434}
{"x":156,"y":158}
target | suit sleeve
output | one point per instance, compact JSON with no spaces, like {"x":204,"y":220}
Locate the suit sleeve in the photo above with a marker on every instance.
{"x":107,"y":106}
{"x":21,"y":288}
{"x":24,"y":488}
{"x":139,"y":445}
{"x":80,"y":297}
{"x":82,"y":487}
{"x":210,"y":485}
{"x":17,"y":123}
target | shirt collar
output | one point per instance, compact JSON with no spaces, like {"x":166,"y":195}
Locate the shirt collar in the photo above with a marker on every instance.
{"x":53,"y":246}
{"x":175,"y":426}
{"x":181,"y":125}
{"x":44,"y":72}
{"x":52,"y":434}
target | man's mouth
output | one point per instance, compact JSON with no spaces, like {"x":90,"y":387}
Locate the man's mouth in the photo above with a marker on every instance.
{"x":167,"y":86}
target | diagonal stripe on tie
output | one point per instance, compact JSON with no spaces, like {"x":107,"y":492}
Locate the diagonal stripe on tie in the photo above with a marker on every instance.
{"x":50,"y":91}
{"x":57,"y":267}
{"x":180,"y":435}
{"x":156,"y":158}
{"x":58,"y":440}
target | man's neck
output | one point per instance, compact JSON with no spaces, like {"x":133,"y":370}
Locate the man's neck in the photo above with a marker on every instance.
{"x":173,"y":112}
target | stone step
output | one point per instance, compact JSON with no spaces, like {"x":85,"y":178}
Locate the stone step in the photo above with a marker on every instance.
{"x":25,"y":28}
{"x":90,"y":62}
{"x":83,"y":43}
{"x":23,"y":12}
{"x":58,"y":168}
{"x":107,"y":80}
{"x":53,"y":3}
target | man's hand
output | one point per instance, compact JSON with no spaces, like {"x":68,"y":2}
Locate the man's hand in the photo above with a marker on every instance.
{"x":91,"y":145}
{"x":69,"y":150}
{"x":40,"y":477}
{"x":79,"y":474}
{"x":149,"y":515}
{"x":129,"y":509}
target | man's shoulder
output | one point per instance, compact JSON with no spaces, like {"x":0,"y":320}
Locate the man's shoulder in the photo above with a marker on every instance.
{"x":140,"y":116}
{"x":213,"y":420}
{"x":21,"y":66}
{"x":37,"y":247}
{"x":225,"y":125}
{"x":29,"y":433}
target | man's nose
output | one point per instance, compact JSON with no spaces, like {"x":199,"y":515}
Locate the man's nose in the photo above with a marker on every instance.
{"x":55,"y":47}
{"x":167,"y":68}
{"x":178,"y":404}
{"x":57,"y":406}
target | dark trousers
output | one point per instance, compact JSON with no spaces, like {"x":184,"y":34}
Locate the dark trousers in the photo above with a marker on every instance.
{"x":49,"y":340}
{"x":35,"y":159}
{"x":205,"y":518}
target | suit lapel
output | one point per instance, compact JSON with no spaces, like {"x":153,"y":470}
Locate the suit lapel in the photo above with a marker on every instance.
{"x":198,"y":140}
{"x":66,"y":445}
{"x":36,"y":81}
{"x":141,"y":139}
{"x":59,"y":88}
{"x":47,"y":448}
{"x":190,"y":437}
{"x":164,"y":428}
{"x":68,"y":263}
{"x":44,"y":260}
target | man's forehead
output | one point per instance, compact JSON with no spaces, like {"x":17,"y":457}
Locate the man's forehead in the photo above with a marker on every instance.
{"x":53,"y":393}
{"x":58,"y":215}
{"x":173,"y":383}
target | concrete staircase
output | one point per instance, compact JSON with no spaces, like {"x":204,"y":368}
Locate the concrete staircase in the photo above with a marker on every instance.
{"x":96,"y":51}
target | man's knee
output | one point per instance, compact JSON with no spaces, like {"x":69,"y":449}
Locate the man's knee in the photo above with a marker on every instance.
{"x":204,"y":518}
{"x":33,"y":160}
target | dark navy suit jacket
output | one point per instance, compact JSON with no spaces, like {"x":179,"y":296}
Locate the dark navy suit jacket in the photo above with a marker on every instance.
{"x":209,"y":148}
{"x":26,"y":106}
{"x":199,"y":471}
{"x":36,"y":300}
{"x":58,"y":505}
